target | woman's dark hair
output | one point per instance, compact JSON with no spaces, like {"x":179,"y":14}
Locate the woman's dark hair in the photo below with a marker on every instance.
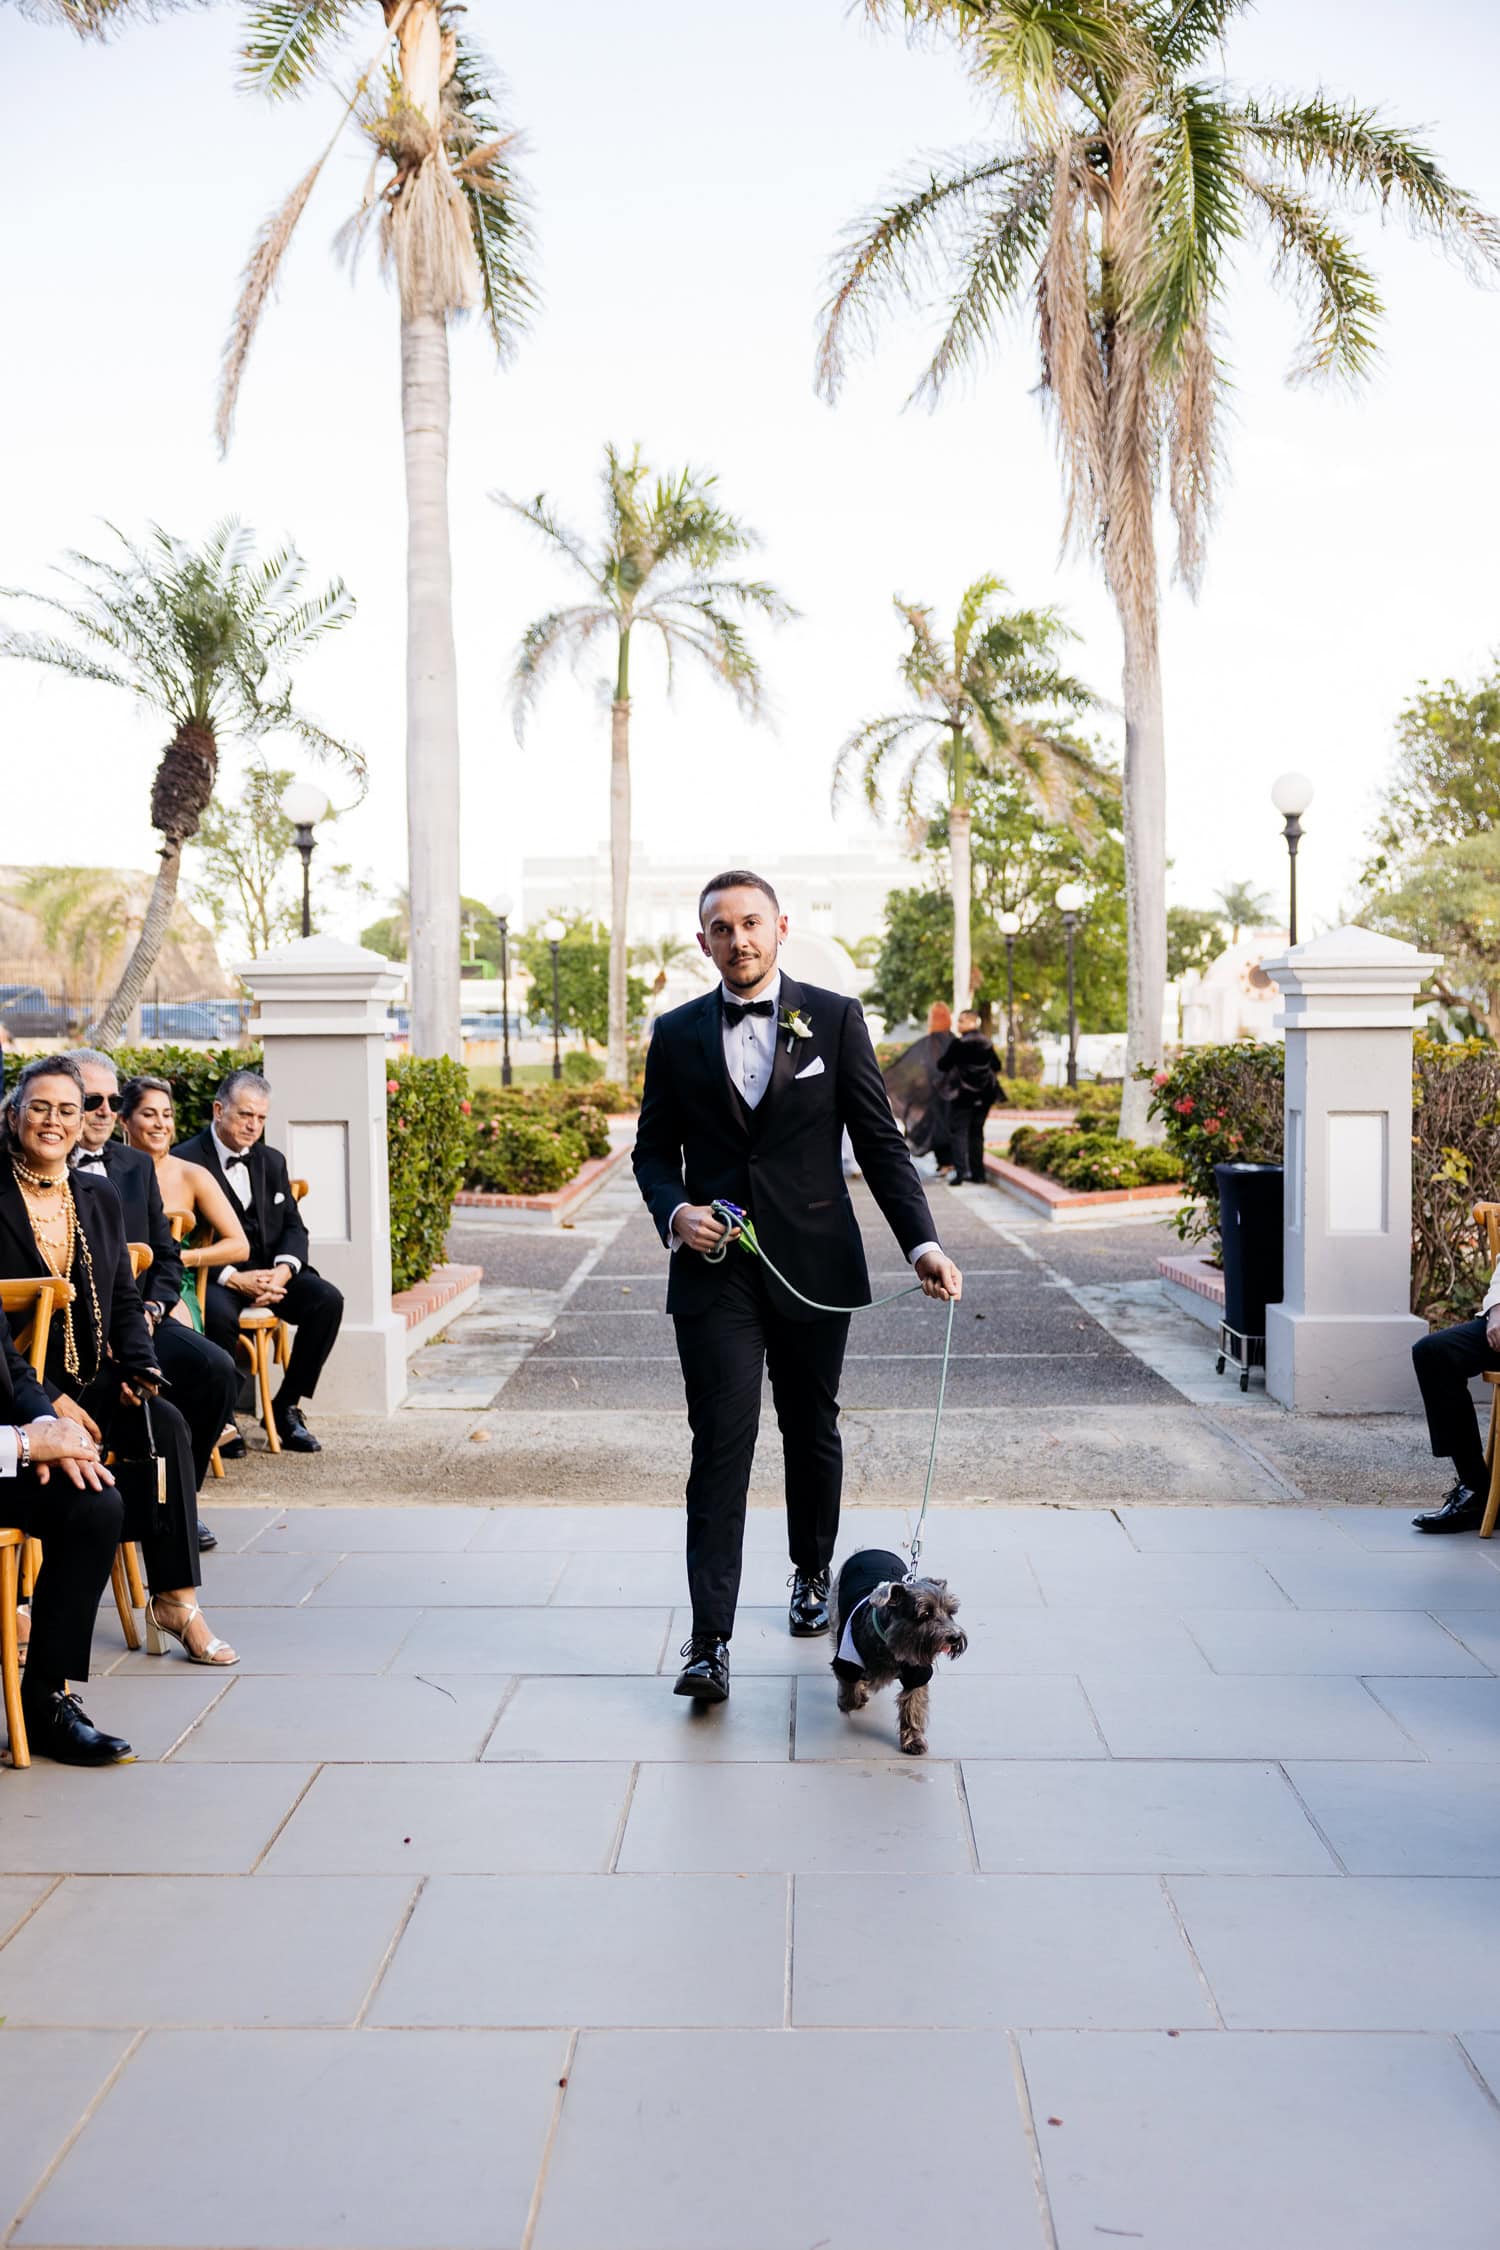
{"x":40,"y":1066}
{"x":134,"y":1090}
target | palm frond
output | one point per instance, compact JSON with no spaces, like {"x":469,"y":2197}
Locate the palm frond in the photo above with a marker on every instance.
{"x":62,"y":656}
{"x":1326,"y":276}
{"x":992,"y":265}
{"x":562,"y":632}
{"x":1072,"y":369}
{"x":1191,"y":415}
{"x":542,"y":517}
{"x":481,"y":151}
{"x":1182,"y":31}
{"x":285,"y":43}
{"x":256,"y":286}
{"x":718,"y":640}
{"x":870,"y":744}
{"x":1196,"y":215}
{"x":745,"y":593}
{"x":1038,"y":50}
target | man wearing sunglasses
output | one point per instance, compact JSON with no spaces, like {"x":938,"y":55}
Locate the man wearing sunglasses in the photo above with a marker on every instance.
{"x":203,"y":1377}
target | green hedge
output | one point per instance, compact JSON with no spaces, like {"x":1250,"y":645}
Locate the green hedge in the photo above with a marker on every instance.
{"x":428,"y":1135}
{"x":1089,"y":1161}
{"x":1220,"y":1105}
{"x":512,"y":1154}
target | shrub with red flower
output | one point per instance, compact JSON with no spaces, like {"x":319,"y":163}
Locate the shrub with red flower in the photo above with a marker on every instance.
{"x":1217,"y":1102}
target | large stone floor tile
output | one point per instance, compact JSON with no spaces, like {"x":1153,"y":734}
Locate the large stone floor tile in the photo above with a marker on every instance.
{"x":642,"y":1718}
{"x":361,"y":1720}
{"x":1170,"y":1582}
{"x":1457,"y":1719}
{"x":1219,"y":2141}
{"x":454,"y":1820}
{"x":1478,"y":1629}
{"x":144,"y":1819}
{"x":616,"y":1528}
{"x":308,"y":1642}
{"x":955,"y":1535}
{"x":236,"y":1525}
{"x":1069,"y":1641}
{"x":648,"y":1950}
{"x":411,"y":1530}
{"x":1389,"y":1530}
{"x":1406,"y":1820}
{"x":1126,"y":1818}
{"x":47,"y":2081}
{"x":1248,"y":1718}
{"x":978,"y":1717}
{"x":538,"y":1640}
{"x":657,"y":1581}
{"x":202,"y":1949}
{"x":1365,"y":1953}
{"x":1335,"y":1641}
{"x":1265,"y":1530}
{"x":458,"y":1581}
{"x":761,"y":1643}
{"x":991,"y":1951}
{"x":901,"y":1818}
{"x":156,"y":1709}
{"x":257,"y":1581}
{"x":312,"y":2140}
{"x":18,"y":1892}
{"x":1434,"y":1577}
{"x":778,"y":2140}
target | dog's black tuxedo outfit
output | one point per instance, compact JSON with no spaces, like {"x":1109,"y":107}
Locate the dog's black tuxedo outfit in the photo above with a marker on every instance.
{"x":858,"y":1579}
{"x":700,"y":1141}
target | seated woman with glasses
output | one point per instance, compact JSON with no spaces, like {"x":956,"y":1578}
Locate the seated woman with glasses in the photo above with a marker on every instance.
{"x":100,"y":1367}
{"x":148,"y":1123}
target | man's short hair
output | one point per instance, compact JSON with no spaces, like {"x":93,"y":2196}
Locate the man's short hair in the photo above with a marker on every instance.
{"x":970,"y":1015}
{"x":82,"y":1057}
{"x":238,"y":1079}
{"x":736,"y":879}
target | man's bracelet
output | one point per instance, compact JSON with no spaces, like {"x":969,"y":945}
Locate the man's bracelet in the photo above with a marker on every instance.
{"x":23,"y":1446}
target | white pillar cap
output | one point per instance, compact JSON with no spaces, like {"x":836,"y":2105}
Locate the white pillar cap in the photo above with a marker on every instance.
{"x":1350,"y":979}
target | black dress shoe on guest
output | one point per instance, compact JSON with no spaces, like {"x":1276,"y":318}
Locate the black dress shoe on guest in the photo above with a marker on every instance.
{"x":808,"y":1613}
{"x":294,"y":1433}
{"x":705,"y":1676}
{"x":1463,"y":1510}
{"x":206,"y":1537}
{"x":232,"y":1449}
{"x":58,"y":1727}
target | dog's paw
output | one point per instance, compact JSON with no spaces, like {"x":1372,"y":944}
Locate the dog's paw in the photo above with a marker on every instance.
{"x":915,"y":1745}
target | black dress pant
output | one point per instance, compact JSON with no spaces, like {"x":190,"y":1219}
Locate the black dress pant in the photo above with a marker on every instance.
{"x":314,"y":1308}
{"x":1446,"y":1363}
{"x":723,"y":1353}
{"x":80,"y":1529}
{"x":968,"y":1138}
{"x":205,"y":1383}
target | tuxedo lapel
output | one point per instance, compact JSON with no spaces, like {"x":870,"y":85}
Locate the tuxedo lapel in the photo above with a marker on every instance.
{"x":784,"y":1066}
{"x":23,"y":1257}
{"x":711,"y":1051}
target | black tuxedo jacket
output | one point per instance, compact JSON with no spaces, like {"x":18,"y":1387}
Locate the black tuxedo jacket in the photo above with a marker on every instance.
{"x":783,"y":1161}
{"x":132,"y":1175}
{"x":125,"y":1336}
{"x":273,"y":1224}
{"x":22,"y":1398}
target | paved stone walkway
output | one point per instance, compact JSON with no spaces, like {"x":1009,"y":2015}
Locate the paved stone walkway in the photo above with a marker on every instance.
{"x":442,"y":1922}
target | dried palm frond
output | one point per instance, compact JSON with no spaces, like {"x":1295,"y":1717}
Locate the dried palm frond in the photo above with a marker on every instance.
{"x":256,"y":286}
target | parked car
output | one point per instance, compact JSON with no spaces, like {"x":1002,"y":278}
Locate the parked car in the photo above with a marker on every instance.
{"x":215,"y":1021}
{"x":28,"y":1013}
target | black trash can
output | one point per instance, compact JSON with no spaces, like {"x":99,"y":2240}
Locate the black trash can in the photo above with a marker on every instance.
{"x":1250,"y":1223}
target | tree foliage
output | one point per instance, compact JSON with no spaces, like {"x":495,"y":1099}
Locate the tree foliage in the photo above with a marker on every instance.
{"x":582,"y":979}
{"x":246,"y":875}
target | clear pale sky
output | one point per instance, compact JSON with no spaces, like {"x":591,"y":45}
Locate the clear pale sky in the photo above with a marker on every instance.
{"x":691,"y":167}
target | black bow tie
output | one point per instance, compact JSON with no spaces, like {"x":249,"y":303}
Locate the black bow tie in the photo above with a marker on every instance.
{"x":92,"y":1158}
{"x":735,"y":1011}
{"x":231,"y":1161}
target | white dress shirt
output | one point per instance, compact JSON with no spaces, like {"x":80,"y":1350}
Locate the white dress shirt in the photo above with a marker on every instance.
{"x":238,"y":1177}
{"x":1492,"y":1294}
{"x":749,"y":1056}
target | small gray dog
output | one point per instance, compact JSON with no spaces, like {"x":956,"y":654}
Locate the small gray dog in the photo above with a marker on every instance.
{"x":886,"y":1629}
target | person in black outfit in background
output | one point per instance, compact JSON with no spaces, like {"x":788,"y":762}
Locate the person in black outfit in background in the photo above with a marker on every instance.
{"x":975,"y":1068}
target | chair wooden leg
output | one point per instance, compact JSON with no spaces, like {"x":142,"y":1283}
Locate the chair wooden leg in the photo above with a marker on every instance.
{"x":215,"y":1463}
{"x":10,"y":1657}
{"x":31,"y":1563}
{"x":1492,"y":1460}
{"x":122,"y":1602}
{"x":133,"y":1574}
{"x":263,"y":1378}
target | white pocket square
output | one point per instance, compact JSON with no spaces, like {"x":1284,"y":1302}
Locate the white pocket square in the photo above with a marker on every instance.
{"x":278,"y":1197}
{"x":814,"y":1068}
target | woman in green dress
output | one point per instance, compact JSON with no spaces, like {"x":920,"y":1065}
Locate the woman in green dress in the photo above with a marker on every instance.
{"x":216,"y":1236}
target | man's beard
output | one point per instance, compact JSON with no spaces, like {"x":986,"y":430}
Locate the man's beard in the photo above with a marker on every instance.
{"x":746,"y":974}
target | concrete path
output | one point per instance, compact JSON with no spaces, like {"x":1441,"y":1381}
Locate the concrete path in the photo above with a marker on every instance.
{"x":443,"y":1923}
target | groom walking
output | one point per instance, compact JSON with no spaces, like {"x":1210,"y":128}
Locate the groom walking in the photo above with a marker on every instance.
{"x":748,"y":1092}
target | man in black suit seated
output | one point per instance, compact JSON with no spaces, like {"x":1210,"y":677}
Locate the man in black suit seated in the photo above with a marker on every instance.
{"x":202,"y":1375}
{"x":278,"y":1275}
{"x":748,"y":1093}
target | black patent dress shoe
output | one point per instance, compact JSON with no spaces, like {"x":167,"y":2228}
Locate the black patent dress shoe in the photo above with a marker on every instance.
{"x":232,"y":1449}
{"x":58,"y":1727}
{"x":294,"y":1433}
{"x":705,"y":1676}
{"x":206,"y":1537}
{"x":1463,"y":1510}
{"x":808,"y":1612}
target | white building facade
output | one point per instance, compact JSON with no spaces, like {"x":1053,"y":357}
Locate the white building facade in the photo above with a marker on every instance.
{"x":826,"y":894}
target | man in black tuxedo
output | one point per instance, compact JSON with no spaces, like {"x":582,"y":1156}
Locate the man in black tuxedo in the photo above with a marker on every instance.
{"x":202,"y":1375}
{"x":748,"y":1093}
{"x":278,"y":1274}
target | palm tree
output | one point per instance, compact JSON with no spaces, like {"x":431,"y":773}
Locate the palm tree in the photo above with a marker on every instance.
{"x":1118,"y":203}
{"x":1242,"y":906}
{"x":658,"y":564}
{"x":452,"y":230}
{"x":970,"y":699}
{"x":207,"y":638}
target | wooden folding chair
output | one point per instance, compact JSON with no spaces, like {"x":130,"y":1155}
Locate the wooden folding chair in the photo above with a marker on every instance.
{"x":1487,"y":1216}
{"x":266,"y":1341}
{"x":28,"y":1307}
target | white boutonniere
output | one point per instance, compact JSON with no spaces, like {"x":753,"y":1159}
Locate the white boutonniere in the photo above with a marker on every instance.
{"x":795,"y":1025}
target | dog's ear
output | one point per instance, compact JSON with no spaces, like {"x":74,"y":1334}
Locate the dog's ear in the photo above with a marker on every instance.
{"x":893,"y":1593}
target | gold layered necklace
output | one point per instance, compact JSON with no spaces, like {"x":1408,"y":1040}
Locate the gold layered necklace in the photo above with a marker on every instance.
{"x":62,"y":1243}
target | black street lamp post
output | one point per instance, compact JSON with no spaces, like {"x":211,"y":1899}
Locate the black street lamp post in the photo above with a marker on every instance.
{"x":1291,"y":794}
{"x":1010,"y":925}
{"x":554,"y":934}
{"x":502,"y":916}
{"x":1070,"y":904}
{"x":304,"y":805}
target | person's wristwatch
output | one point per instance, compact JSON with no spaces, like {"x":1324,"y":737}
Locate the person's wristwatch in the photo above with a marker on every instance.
{"x":23,"y":1445}
{"x":154,"y":1311}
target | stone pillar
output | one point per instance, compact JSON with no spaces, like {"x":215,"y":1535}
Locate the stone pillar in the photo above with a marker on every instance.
{"x":1340,"y":1341}
{"x":320,"y":1013}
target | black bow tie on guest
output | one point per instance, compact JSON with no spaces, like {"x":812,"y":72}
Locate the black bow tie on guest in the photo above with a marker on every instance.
{"x":93,"y":1158}
{"x":736,"y":1010}
{"x":231,"y":1161}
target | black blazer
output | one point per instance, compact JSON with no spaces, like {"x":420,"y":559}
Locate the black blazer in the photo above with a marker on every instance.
{"x":783,"y":1161}
{"x":126,"y":1338}
{"x":976,"y":1068}
{"x":22,"y":1398}
{"x":132,"y":1175}
{"x":273,"y":1224}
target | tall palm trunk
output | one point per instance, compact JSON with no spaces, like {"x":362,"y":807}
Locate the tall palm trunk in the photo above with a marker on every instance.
{"x":126,"y":997}
{"x":180,"y":791}
{"x":963,"y":892}
{"x":432,"y":778}
{"x":617,"y":1062}
{"x":1145,"y":818}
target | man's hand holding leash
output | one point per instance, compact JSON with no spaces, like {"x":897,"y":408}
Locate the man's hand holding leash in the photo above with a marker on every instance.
{"x":696,"y":1226}
{"x":939,"y":1277}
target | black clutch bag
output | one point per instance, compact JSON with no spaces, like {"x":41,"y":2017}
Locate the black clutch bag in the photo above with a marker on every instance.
{"x":142,"y":1481}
